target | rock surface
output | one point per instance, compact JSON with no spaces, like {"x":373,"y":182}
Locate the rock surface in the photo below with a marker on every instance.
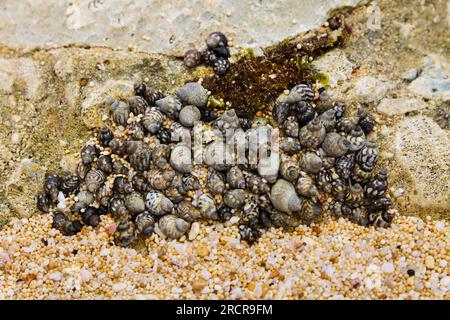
{"x":392,"y":107}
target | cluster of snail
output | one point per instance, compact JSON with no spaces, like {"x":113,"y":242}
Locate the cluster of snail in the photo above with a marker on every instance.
{"x":216,"y":54}
{"x":140,"y":169}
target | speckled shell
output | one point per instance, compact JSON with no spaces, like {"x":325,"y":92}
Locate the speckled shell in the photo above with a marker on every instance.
{"x":160,"y":179}
{"x":218,"y":156}
{"x":335,"y":145}
{"x":313,"y":134}
{"x":140,"y":183}
{"x":381,"y":219}
{"x":88,"y":154}
{"x":357,"y":139}
{"x":284,"y":220}
{"x":43,"y":202}
{"x":70,"y":184}
{"x":310,"y":162}
{"x":300,"y":92}
{"x":305,"y":113}
{"x":249,"y":234}
{"x":117,"y":146}
{"x":339,"y":109}
{"x":280,"y":112}
{"x":148,"y":94}
{"x":104,"y":194}
{"x":172,"y":226}
{"x":193,"y":93}
{"x":216,"y":39}
{"x":207,"y":207}
{"x":215,"y":182}
{"x":378,"y":186}
{"x":284,"y":198}
{"x":290,"y":145}
{"x":105,"y":164}
{"x":170,"y":106}
{"x":137,"y":104}
{"x":117,"y":207}
{"x":339,"y":209}
{"x":189,"y":182}
{"x":64,"y":225}
{"x":105,"y":136}
{"x":234,"y":198}
{"x":180,"y":159}
{"x":120,"y":111}
{"x":94,"y":179}
{"x":289,"y":170}
{"x":140,"y":158}
{"x":189,"y":115}
{"x":359,"y":216}
{"x":161,"y":155}
{"x":174,"y":194}
{"x":135,"y":202}
{"x":186,"y":211}
{"x":221,"y":66}
{"x":152,"y":120}
{"x":344,"y":165}
{"x":137,"y":131}
{"x":368,"y":155}
{"x":122,"y":185}
{"x":235,"y":178}
{"x":338,"y":188}
{"x":257,"y":184}
{"x":192,"y":58}
{"x":82,"y":169}
{"x":324,"y":180}
{"x":328,"y":119}
{"x":124,"y":234}
{"x":305,"y":186}
{"x":366,"y":121}
{"x":145,"y":223}
{"x":347,"y":124}
{"x":228,"y":120}
{"x":380,"y":204}
{"x":157,"y":203}
{"x":250,"y":214}
{"x":311,"y":212}
{"x":360,"y":175}
{"x":355,"y":195}
{"x":291,"y":127}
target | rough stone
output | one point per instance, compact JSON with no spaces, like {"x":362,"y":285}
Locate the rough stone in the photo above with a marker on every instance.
{"x":434,"y":81}
{"x":335,"y":66}
{"x":369,"y":89}
{"x":392,"y":107}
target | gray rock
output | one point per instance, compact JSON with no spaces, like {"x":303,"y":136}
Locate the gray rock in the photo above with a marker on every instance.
{"x":433,"y":82}
{"x":410,"y":75}
{"x":400,"y":106}
{"x":335,"y":65}
{"x":369,"y":89}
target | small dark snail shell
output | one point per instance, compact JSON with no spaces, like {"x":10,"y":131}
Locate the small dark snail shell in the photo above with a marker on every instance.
{"x":216,"y":39}
{"x":186,"y":211}
{"x":193,"y":94}
{"x":120,"y":111}
{"x":313,"y":134}
{"x":264,"y":219}
{"x":328,"y":119}
{"x":305,"y":113}
{"x":338,"y":188}
{"x":91,"y":217}
{"x":140,"y":158}
{"x":148,"y":94}
{"x":311,"y":213}
{"x":117,"y":146}
{"x":344,"y":166}
{"x":105,"y":164}
{"x":291,"y":127}
{"x":378,"y":186}
{"x":381,"y":204}
{"x":152,"y":120}
{"x":161,"y":155}
{"x":82,"y":169}
{"x":189,"y":182}
{"x":43,"y":202}
{"x":248,"y":234}
{"x":134,"y":202}
{"x":225,"y":213}
{"x":209,"y":56}
{"x":235,"y":178}
{"x":355,"y":196}
{"x":160,"y":179}
{"x":215,"y":182}
{"x":192,"y":58}
{"x":280,"y":112}
{"x":359,"y":216}
{"x":366,"y":121}
{"x":70,"y":184}
{"x":62,"y":223}
{"x":170,"y":106}
{"x":284,"y":220}
{"x":105,"y":136}
{"x":360,"y":175}
{"x":368,"y":155}
{"x":289,"y":170}
{"x":381,"y":219}
{"x":172,"y":226}
{"x":222,"y":52}
{"x":145,"y":223}
{"x":122,"y":185}
{"x":173,"y":194}
{"x":335,"y":145}
{"x":124,"y":234}
{"x":339,"y":108}
{"x":357,"y":139}
{"x":89,"y":153}
{"x":137,"y":104}
{"x":290,"y":145}
{"x":347,"y":124}
{"x":305,"y":186}
{"x":234,"y":198}
{"x":257,"y":184}
{"x":138,"y":131}
{"x":207,"y":207}
{"x":300,"y":92}
{"x":117,"y":207}
{"x":140,"y":183}
{"x":250,"y":215}
{"x":324,"y":180}
{"x":310,"y":163}
{"x":94,"y":179}
{"x":221,"y":66}
{"x":339,"y":209}
{"x":120,"y":168}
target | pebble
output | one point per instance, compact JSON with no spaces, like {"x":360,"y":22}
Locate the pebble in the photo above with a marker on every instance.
{"x":202,"y":250}
{"x":429,"y":262}
{"x":387,"y":267}
{"x":119,"y":286}
{"x":194,"y":231}
{"x":15,"y":138}
{"x":410,"y":75}
{"x":55,"y":276}
{"x":234,"y":219}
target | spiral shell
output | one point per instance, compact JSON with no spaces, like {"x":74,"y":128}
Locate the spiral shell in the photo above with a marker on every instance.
{"x":284,"y":198}
{"x":145,"y":223}
{"x":339,"y":109}
{"x":124,"y":234}
{"x":88,"y":154}
{"x":216,"y":39}
{"x":189,"y":115}
{"x":305,"y":186}
{"x":290,"y":145}
{"x":207,"y":207}
{"x":122,"y":185}
{"x":218,"y":156}
{"x":120,"y":111}
{"x":311,"y":212}
{"x":104,"y":194}
{"x":117,"y":146}
{"x":135,"y":202}
{"x":173,"y":194}
{"x":380,"y":204}
{"x":105,"y":164}
{"x":180,"y":159}
{"x":140,"y":183}
{"x":94,"y":179}
{"x":228,"y":120}
{"x":117,"y":207}
{"x":105,"y":136}
{"x":355,"y":196}
{"x":310,"y":162}
{"x":215,"y":182}
{"x":359,"y":216}
{"x":339,"y":209}
{"x":300,"y":92}
{"x":137,"y":131}
{"x":289,"y":170}
{"x":221,"y":66}
{"x":378,"y":186}
{"x":152,"y":120}
{"x":90,"y":216}
{"x":328,"y":119}
{"x":193,"y":93}
{"x":249,"y":234}
{"x":186,"y":211}
{"x":172,"y":226}
{"x":82,"y":169}
{"x":257,"y":184}
{"x":161,"y":155}
{"x":234,"y":198}
{"x":360,"y":175}
{"x":338,"y":188}
{"x":381,"y":219}
{"x":170,"y":106}
{"x":368,"y":155}
{"x":313,"y":134}
{"x":347,"y":124}
{"x":291,"y":127}
{"x":335,"y":145}
{"x":140,"y":158}
{"x":235,"y":178}
{"x":69,"y":184}
{"x":192,"y":58}
{"x":324,"y":180}
{"x":344,"y":166}
{"x":137,"y":104}
{"x":305,"y":113}
{"x":178,"y":133}
{"x":43,"y":202}
{"x":366,"y":121}
{"x":189,"y":182}
{"x":250,"y":214}
{"x":160,"y":179}
{"x":157,"y":203}
{"x":280,"y":112}
{"x":357,"y":139}
{"x":64,"y":225}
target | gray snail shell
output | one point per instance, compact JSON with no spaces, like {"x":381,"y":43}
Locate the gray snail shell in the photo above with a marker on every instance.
{"x":88,"y":154}
{"x":120,"y":111}
{"x":215,"y":182}
{"x":207,"y":207}
{"x":313,"y":134}
{"x":135,"y":202}
{"x":193,"y":93}
{"x":300,"y":92}
{"x":290,"y":145}
{"x":94,"y":179}
{"x":257,"y":184}
{"x":305,"y":186}
{"x":284,"y":198}
{"x":235,"y":178}
{"x":180,"y":159}
{"x":356,"y":139}
{"x":228,"y":120}
{"x":344,"y":165}
{"x":335,"y":145}
{"x":189,"y":115}
{"x":157,"y":203}
{"x":359,"y":216}
{"x":160,"y":179}
{"x":234,"y":198}
{"x":289,"y":170}
{"x":186,"y":211}
{"x":140,"y":158}
{"x":161,"y":155}
{"x":170,"y":106}
{"x":152,"y":120}
{"x":105,"y":164}
{"x":310,"y":162}
{"x":137,"y":104}
{"x":291,"y":127}
{"x":172,"y":226}
{"x":328,"y":119}
{"x":145,"y":223}
{"x":117,"y":207}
